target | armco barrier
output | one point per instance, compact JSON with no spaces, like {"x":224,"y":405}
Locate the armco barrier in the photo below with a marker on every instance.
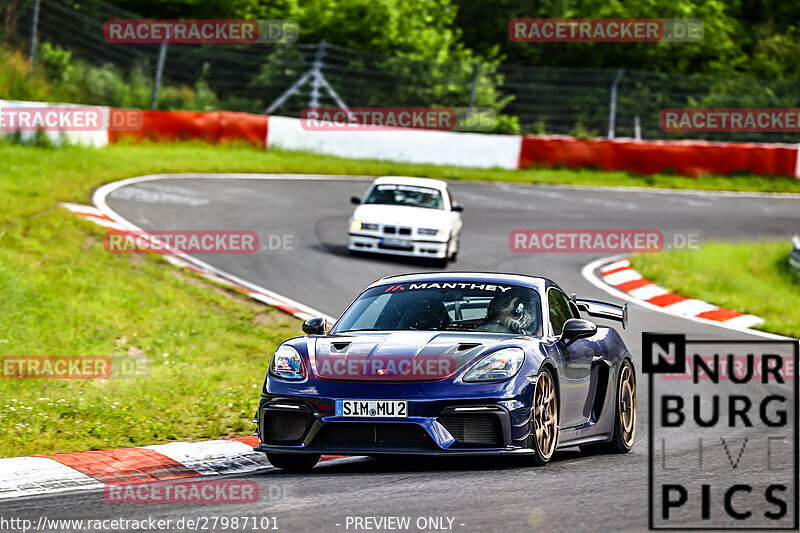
{"x":687,"y":158}
{"x":472,"y":150}
{"x":212,"y":127}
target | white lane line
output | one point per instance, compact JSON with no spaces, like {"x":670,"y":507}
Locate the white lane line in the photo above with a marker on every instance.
{"x":648,"y":291}
{"x":214,"y":456}
{"x":102,"y":193}
{"x":690,"y":307}
{"x":31,"y":476}
{"x":622,"y":276}
{"x":624,"y":263}
{"x":744,"y":321}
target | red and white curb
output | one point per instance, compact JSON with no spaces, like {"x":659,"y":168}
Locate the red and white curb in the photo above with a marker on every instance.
{"x":621,"y":276}
{"x":205,"y":270}
{"x":48,"y":474}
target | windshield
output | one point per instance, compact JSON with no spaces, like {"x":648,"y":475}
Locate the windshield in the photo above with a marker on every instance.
{"x":445,"y":306}
{"x":411,"y":195}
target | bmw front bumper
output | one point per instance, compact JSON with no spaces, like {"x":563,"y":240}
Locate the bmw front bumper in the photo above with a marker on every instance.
{"x":397,"y":246}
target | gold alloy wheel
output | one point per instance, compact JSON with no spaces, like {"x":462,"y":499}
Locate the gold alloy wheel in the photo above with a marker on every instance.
{"x":545,"y":416}
{"x":627,"y":405}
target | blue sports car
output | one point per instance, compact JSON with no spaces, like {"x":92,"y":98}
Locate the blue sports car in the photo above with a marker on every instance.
{"x":451,"y":364}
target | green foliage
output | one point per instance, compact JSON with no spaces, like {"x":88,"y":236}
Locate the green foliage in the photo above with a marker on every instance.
{"x":507,"y":124}
{"x":740,"y":38}
{"x":56,"y":62}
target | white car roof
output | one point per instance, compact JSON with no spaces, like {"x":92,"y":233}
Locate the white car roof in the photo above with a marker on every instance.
{"x":407,"y":180}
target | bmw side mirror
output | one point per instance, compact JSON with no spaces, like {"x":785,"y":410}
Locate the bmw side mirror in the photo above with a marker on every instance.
{"x":355,"y":200}
{"x":315,"y":326}
{"x":458,"y":208}
{"x":577,"y":328}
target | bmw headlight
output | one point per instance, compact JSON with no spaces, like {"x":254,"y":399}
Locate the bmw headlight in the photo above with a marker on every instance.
{"x":502,"y":364}
{"x":287,"y":364}
{"x":431,"y":232}
{"x":357,"y":225}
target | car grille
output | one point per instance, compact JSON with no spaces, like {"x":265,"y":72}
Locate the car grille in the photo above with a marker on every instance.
{"x":479,"y":429}
{"x":392,"y":230}
{"x":283,"y":426}
{"x":372,"y":435}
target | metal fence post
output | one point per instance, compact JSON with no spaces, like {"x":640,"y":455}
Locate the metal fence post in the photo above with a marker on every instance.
{"x":318,"y":81}
{"x":162,"y":56}
{"x":34,"y":30}
{"x":473,"y":88}
{"x":316,"y":67}
{"x":612,"y":111}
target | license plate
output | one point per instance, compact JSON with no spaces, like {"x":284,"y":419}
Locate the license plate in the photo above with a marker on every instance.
{"x":372,"y":408}
{"x":397,"y":243}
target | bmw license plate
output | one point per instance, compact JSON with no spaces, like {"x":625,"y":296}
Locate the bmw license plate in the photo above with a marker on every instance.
{"x":372,"y":408}
{"x":397,"y":243}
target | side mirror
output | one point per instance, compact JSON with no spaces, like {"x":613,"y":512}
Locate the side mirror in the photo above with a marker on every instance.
{"x":457,"y":208}
{"x":315,"y":326}
{"x":355,"y":200}
{"x":577,"y":328}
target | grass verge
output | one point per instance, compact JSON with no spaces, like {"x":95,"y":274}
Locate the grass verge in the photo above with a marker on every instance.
{"x":752,"y":278}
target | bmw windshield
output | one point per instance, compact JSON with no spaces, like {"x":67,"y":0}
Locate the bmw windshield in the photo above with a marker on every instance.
{"x":408,"y":195}
{"x":445,"y":306}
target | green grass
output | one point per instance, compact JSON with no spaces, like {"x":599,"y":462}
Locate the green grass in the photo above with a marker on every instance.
{"x":64,"y":295}
{"x":752,"y":278}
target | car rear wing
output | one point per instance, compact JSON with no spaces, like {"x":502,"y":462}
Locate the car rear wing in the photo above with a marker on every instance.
{"x":600,"y":309}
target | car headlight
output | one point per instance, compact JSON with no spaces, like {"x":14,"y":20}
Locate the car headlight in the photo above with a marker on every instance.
{"x":431,"y":231}
{"x":502,"y":364}
{"x":357,"y":225}
{"x":287,"y":364}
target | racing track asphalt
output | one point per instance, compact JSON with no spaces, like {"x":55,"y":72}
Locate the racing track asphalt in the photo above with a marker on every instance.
{"x":574,"y":492}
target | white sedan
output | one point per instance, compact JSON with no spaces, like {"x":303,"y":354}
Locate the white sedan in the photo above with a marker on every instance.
{"x":413,"y":217}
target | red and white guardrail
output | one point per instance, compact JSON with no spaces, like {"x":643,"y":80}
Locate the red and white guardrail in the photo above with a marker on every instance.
{"x":472,"y":150}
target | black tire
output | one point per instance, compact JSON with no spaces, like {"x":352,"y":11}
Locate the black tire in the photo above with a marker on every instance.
{"x":623,"y":440}
{"x":542,"y":457}
{"x":293,"y":462}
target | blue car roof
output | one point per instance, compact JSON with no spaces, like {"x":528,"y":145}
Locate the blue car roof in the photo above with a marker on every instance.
{"x":490,"y":277}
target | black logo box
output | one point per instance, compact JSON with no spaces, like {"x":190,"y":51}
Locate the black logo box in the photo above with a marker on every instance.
{"x":678,"y":365}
